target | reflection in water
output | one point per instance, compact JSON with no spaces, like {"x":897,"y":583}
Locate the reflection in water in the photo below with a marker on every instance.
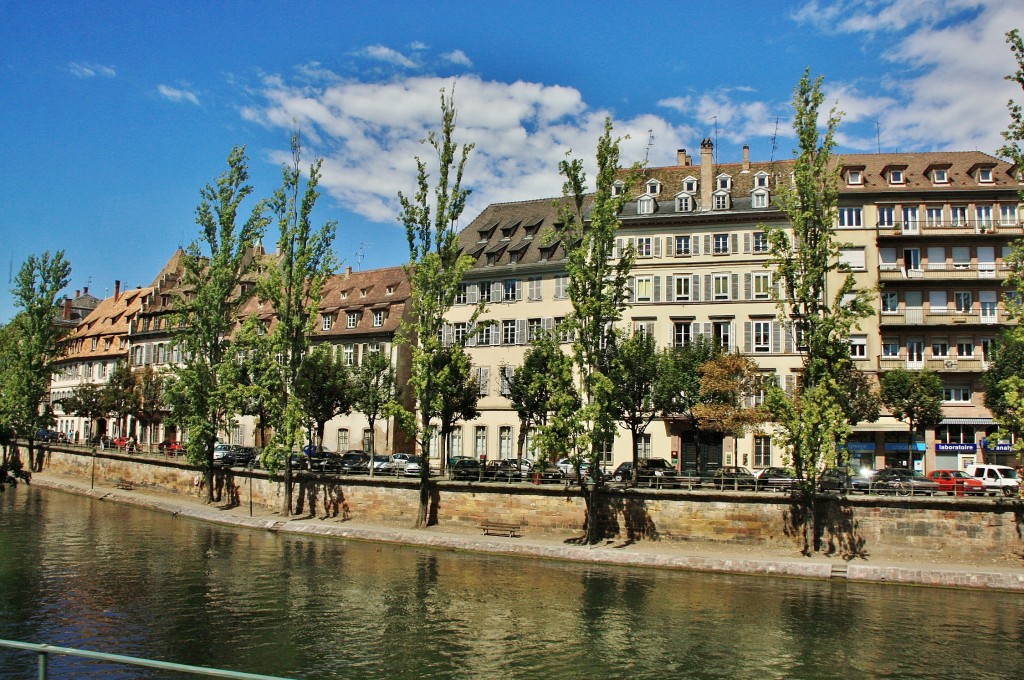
{"x":84,"y":573}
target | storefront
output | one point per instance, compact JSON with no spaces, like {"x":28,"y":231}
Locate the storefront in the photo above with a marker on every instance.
{"x":900,"y":454}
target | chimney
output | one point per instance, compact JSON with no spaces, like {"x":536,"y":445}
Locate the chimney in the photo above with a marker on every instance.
{"x":77,"y":293}
{"x":746,"y":158}
{"x":117,"y":289}
{"x":683,"y":158}
{"x":707,"y":172}
{"x":67,"y":309}
{"x":85,"y":290}
{"x":348,"y":271}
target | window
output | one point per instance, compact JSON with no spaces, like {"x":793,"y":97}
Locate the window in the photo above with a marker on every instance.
{"x":483,"y":379}
{"x":689,"y":185}
{"x":759,"y":199}
{"x":722,"y":333}
{"x":654,"y":187}
{"x":961,"y":257}
{"x":762,"y":331}
{"x":533,"y":289}
{"x":645,"y":205}
{"x":483,"y":334}
{"x":378,"y":317}
{"x":910,"y":218}
{"x":895,"y":177}
{"x":983,"y":213}
{"x":480,"y":441}
{"x":505,"y":378}
{"x":643,"y":247}
{"x":886,"y":216}
{"x":761,"y":384}
{"x":958,"y":215}
{"x":854,"y":177}
{"x":940,"y":176}
{"x":762,"y":451}
{"x":462,"y":294}
{"x":940,"y":348}
{"x":724,"y":182}
{"x":682,"y":246}
{"x":761,"y":244}
{"x":95,"y":342}
{"x":890,"y":348}
{"x":985,"y":175}
{"x":681,"y":284}
{"x":617,"y":188}
{"x":533,"y":329}
{"x":684,"y":203}
{"x":351,"y":319}
{"x":762,"y":283}
{"x":343,"y":444}
{"x":508,"y":332}
{"x":933,"y":216}
{"x":485,"y":291}
{"x":721,"y":286}
{"x":459,"y":332}
{"x":504,"y":442}
{"x":642,"y":289}
{"x":890,"y":302}
{"x":681,"y":333}
{"x":644,"y":328}
{"x":373,"y":348}
{"x":961,"y":395}
{"x":954,"y":434}
{"x":965,"y":348}
{"x":858,"y":347}
{"x":1008,"y":215}
{"x":511,"y":290}
{"x":721,"y":201}
{"x":853,"y":258}
{"x":721,"y":244}
{"x":561,"y":286}
{"x":849,"y":217}
{"x":963,"y":301}
{"x":761,"y":180}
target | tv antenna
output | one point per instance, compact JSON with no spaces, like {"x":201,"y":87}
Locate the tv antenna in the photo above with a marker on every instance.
{"x":715,"y":118}
{"x":360,"y":254}
{"x":775,"y":138}
{"x":878,"y":135}
{"x":650,"y":143}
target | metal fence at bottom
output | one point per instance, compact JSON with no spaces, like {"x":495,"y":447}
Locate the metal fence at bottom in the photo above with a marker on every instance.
{"x":43,"y":653}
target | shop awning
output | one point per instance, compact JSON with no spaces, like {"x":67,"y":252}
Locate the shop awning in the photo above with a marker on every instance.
{"x":967,"y":421}
{"x":883,"y":425}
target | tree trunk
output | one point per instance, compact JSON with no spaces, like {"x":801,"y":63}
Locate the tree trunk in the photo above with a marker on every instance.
{"x":422,"y":516}
{"x":636,"y":457}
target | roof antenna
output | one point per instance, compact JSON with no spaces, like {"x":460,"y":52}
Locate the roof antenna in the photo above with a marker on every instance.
{"x":775,"y":139}
{"x":715,"y":160}
{"x":878,"y":135}
{"x":650,"y":143}
{"x":360,"y":253}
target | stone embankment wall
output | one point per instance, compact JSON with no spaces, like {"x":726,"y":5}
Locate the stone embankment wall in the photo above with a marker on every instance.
{"x":943,"y":526}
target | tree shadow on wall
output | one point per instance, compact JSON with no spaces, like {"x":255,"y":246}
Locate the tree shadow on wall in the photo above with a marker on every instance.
{"x":606,"y":521}
{"x":824,"y":524}
{"x":639,"y":523}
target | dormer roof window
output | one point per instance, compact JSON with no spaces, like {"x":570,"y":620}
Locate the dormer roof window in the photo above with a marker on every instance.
{"x":896,"y":176}
{"x":985,"y":175}
{"x":508,"y":230}
{"x":645,"y":205}
{"x":854,"y":177}
{"x":761,"y":180}
{"x":531,"y":229}
{"x":690,"y":185}
{"x":684,"y":202}
{"x":618,"y":187}
{"x":653,"y":187}
{"x":759,"y":199}
{"x":720,"y":200}
{"x":723,"y":182}
{"x":939,"y":175}
{"x":485,"y":233}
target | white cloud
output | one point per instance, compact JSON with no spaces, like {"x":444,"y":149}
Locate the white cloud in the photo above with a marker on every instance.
{"x":457,"y":57}
{"x":387,"y":55}
{"x":83,"y":70}
{"x":417,"y":45}
{"x":177,"y":95}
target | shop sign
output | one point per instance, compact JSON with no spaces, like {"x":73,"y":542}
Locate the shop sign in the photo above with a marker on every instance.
{"x":861,"y":446}
{"x":901,"y":447}
{"x":955,"y":448}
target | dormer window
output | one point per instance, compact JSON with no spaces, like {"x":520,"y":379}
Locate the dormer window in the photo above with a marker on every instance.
{"x":761,"y":180}
{"x":854,"y":178}
{"x":723,"y":182}
{"x":618,"y":187}
{"x":896,"y":176}
{"x":985,"y":175}
{"x":362,"y":292}
{"x":645,"y":205}
{"x":684,"y":203}
{"x":326,"y":321}
{"x":513,"y":257}
{"x":390,"y":290}
{"x":653,"y":187}
{"x":720,"y":201}
{"x":690,"y":185}
{"x":759,"y":199}
{"x":940,"y":176}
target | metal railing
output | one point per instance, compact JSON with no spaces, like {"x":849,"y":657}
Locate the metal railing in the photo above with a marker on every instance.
{"x":43,"y":653}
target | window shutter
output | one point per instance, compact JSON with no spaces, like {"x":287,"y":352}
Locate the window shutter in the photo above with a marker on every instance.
{"x":790,"y":339}
{"x":519,"y":289}
{"x":735,"y":245}
{"x":670,"y":292}
{"x":670,"y":247}
{"x":790,"y":384}
{"x":657,"y":288}
{"x":497,"y":292}
{"x":695,"y":293}
{"x":520,"y":331}
{"x":694,"y":245}
{"x":632,"y":289}
{"x":657,"y":247}
{"x":495,"y":334}
{"x":446,"y":335}
{"x":707,"y":329}
{"x":483,"y":378}
{"x":471,"y":335}
{"x":629,"y":244}
{"x":547,"y":323}
{"x":147,"y":355}
{"x":734,"y":288}
{"x":709,"y":291}
{"x":473,"y":293}
{"x":776,"y":336}
{"x":617,"y":251}
{"x":694,"y":329}
{"x":748,"y":286}
{"x":748,"y":335}
{"x":707,"y":243}
{"x":746,"y":243}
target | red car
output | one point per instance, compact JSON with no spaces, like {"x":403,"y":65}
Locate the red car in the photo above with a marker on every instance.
{"x":957,"y":482}
{"x":171,"y":448}
{"x":120,"y":442}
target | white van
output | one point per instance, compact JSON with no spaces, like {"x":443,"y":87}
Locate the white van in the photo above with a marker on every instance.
{"x":996,"y":478}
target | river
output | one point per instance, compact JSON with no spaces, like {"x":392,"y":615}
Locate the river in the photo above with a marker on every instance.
{"x":85,"y":573}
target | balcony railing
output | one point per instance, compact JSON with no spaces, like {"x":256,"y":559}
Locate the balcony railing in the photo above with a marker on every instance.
{"x":918,"y":317}
{"x":948,"y":272}
{"x":972,"y":226}
{"x":937,"y":364}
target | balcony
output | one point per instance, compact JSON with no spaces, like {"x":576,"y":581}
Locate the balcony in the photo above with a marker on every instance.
{"x":945,"y":272}
{"x":993,"y":227}
{"x":939,"y":365}
{"x":939,"y":317}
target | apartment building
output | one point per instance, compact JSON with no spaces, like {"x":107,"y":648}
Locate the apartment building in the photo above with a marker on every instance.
{"x":698,"y":230}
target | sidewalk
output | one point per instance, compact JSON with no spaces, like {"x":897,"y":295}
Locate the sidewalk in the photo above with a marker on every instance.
{"x":697,"y":556}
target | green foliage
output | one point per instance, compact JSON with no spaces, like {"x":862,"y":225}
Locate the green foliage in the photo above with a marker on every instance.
{"x":811,"y":427}
{"x":375,"y":386}
{"x":207,"y":307}
{"x":914,"y":397}
{"x":255,"y":377}
{"x":452,"y":376}
{"x":89,"y":401}
{"x":435,"y":270}
{"x":324,"y":388}
{"x":121,"y":395}
{"x":546,"y":372}
{"x":635,"y":368}
{"x":1007,"y":362}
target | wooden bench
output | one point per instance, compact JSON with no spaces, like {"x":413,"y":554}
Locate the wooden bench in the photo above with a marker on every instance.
{"x":496,"y":528}
{"x":125,"y":484}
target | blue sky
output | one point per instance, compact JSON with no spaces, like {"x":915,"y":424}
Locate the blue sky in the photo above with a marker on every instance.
{"x":113,"y":115}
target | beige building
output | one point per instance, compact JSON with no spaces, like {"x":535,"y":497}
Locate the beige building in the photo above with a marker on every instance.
{"x":932,"y":228}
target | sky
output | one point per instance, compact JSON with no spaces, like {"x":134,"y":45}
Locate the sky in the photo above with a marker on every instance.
{"x":114,"y":115}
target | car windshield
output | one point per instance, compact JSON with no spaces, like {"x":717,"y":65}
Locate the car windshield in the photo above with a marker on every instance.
{"x":1009,"y":473}
{"x":959,"y":474}
{"x":660,"y":463}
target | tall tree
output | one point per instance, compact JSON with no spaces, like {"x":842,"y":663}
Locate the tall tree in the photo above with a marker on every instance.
{"x":293,"y":286}
{"x":375,"y":390}
{"x":149,"y":391}
{"x":545,"y":372}
{"x":256,"y":377}
{"x":805,"y":259}
{"x":324,"y":389}
{"x":121,"y":395}
{"x":597,"y":291}
{"x":678,"y":390}
{"x":215,"y":267}
{"x":727,"y":382}
{"x":31,"y":347}
{"x":914,"y":397}
{"x":436,"y":268}
{"x":452,"y":375}
{"x":89,"y":401}
{"x":635,"y":370}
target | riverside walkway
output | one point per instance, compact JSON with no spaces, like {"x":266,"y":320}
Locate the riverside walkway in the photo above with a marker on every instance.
{"x":982,"y":572}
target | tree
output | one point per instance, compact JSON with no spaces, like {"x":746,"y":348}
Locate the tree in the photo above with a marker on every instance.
{"x":726,"y":383}
{"x":436,"y":268}
{"x":121,"y":395}
{"x":293,"y":286}
{"x":597,"y":291}
{"x":375,"y":389}
{"x":545,"y":372}
{"x":805,"y":259}
{"x":89,"y":401}
{"x":31,"y":346}
{"x":324,"y":389}
{"x":914,"y":397}
{"x":635,"y":371}
{"x":149,"y":399}
{"x":214,"y":269}
{"x":678,"y":391}
{"x":461,"y":393}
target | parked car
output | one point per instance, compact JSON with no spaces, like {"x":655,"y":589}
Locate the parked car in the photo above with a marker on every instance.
{"x":655,"y":472}
{"x":996,"y":478}
{"x":171,"y":447}
{"x":546,"y":473}
{"x":846,"y":480}
{"x":382,"y":465}
{"x":957,"y":482}
{"x":733,"y":477}
{"x":122,"y":442}
{"x":413,"y":466}
{"x":464,"y":468}
{"x":399,"y":461}
{"x":775,"y":479}
{"x":221,"y":454}
{"x":326,"y":461}
{"x":354,"y":461}
{"x":568,"y":470}
{"x":47,"y":436}
{"x":902,"y":482}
